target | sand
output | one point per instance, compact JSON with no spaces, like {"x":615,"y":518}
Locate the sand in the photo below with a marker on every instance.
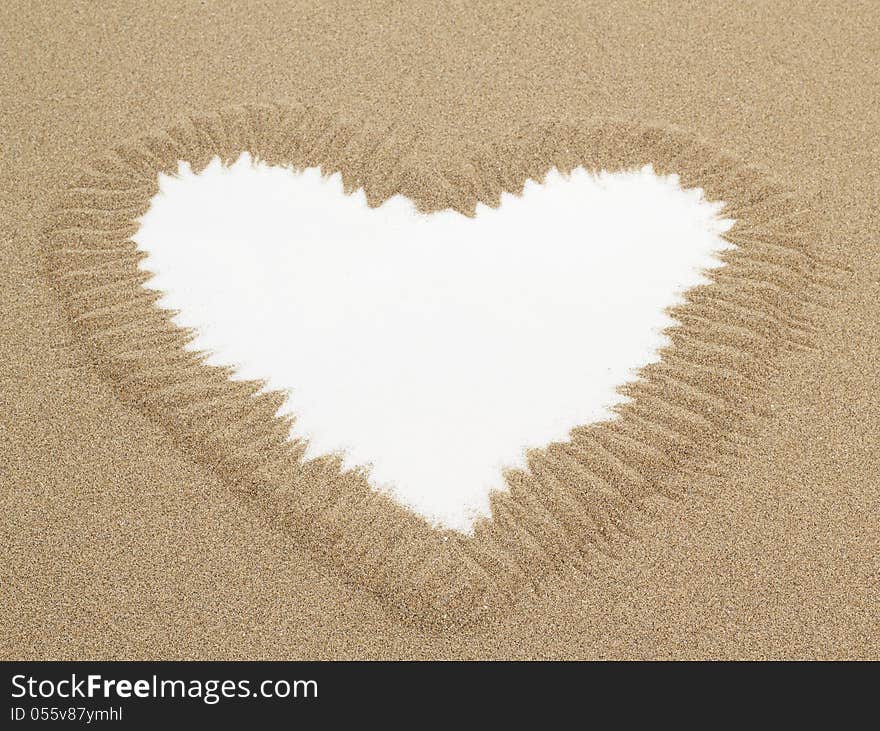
{"x":152,"y":510}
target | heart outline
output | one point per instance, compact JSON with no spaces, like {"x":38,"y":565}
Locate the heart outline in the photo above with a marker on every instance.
{"x":577,"y":497}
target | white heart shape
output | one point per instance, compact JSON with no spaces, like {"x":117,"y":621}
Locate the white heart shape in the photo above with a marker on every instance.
{"x":432,"y":348}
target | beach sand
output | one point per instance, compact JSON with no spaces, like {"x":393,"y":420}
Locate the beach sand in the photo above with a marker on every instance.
{"x":152,"y":510}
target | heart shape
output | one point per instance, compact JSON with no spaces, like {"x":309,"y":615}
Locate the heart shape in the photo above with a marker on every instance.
{"x":575,"y":497}
{"x":435,"y":348}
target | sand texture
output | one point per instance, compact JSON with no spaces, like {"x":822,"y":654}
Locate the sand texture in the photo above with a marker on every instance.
{"x":152,"y":508}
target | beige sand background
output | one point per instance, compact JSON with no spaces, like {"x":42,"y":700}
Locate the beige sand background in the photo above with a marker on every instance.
{"x":116,"y":544}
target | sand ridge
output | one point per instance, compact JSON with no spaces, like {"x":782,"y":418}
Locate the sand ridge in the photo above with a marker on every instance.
{"x":576,"y":495}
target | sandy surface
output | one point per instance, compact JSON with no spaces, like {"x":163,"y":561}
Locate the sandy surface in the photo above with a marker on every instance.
{"x":123,"y":541}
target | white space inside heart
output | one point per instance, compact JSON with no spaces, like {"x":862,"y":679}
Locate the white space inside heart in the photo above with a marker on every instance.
{"x":432,"y":349}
